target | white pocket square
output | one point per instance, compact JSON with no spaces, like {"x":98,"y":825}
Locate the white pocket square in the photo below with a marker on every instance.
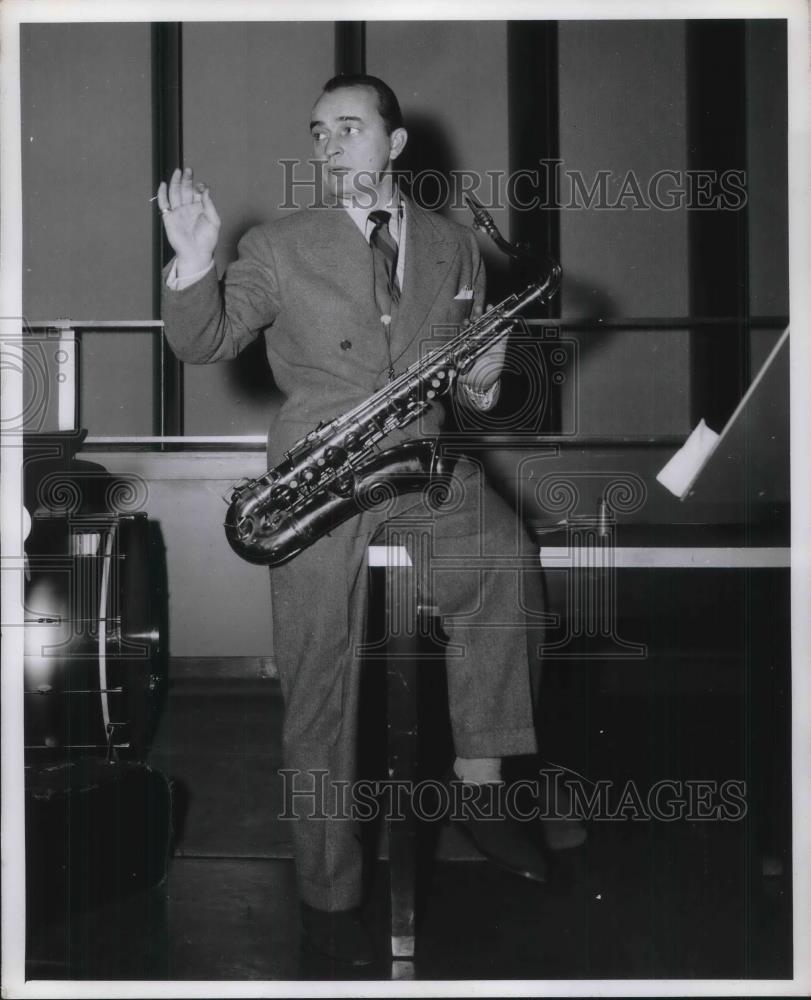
{"x":463,"y":295}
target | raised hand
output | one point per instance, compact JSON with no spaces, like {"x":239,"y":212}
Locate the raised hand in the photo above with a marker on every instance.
{"x":190,"y":220}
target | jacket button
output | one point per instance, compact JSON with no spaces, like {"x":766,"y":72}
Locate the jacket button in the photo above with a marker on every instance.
{"x":346,"y":345}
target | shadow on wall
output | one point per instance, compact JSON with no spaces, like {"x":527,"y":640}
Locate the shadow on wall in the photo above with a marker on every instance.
{"x":429,"y":160}
{"x":429,"y":163}
{"x":587,"y":302}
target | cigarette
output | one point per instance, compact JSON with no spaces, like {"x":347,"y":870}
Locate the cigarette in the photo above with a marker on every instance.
{"x":154,"y":199}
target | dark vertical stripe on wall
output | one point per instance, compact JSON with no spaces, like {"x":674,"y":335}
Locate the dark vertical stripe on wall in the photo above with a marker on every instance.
{"x":534,"y":141}
{"x":532,"y":68}
{"x":718,"y":251}
{"x":167,"y":145}
{"x":350,"y":47}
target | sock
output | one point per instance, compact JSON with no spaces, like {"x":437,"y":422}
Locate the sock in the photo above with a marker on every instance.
{"x":478,"y":770}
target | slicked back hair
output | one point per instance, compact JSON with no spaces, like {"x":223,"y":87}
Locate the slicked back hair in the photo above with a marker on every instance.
{"x":387,"y":103}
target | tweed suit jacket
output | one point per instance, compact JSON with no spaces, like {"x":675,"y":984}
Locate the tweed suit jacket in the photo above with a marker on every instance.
{"x":306,"y":281}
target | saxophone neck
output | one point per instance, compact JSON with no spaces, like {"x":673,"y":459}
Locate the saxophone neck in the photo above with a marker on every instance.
{"x":551,"y":269}
{"x":551,"y":281}
{"x":543,"y":288}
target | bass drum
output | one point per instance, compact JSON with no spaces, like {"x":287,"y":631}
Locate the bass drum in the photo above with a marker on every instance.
{"x":95,"y":664}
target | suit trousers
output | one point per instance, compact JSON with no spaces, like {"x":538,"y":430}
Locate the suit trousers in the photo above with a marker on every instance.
{"x":483,"y":574}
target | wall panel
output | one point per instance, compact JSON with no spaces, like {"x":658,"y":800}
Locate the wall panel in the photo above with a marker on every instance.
{"x":623,"y":110}
{"x":87,"y":218}
{"x":767,"y":156}
{"x":248,"y":90}
{"x":116,"y":383}
{"x":86,"y":157}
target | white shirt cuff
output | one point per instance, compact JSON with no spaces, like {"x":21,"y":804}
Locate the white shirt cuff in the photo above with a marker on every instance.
{"x":175,"y":284}
{"x":483,"y":400}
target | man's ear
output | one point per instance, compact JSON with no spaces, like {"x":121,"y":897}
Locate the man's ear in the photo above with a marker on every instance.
{"x":398,"y":139}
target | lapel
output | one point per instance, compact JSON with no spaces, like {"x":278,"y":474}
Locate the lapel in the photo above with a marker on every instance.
{"x":339,"y":249}
{"x":339,"y":245}
{"x":339,"y":252}
{"x":429,"y":255}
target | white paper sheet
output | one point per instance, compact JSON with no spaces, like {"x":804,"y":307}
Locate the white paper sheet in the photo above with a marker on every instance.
{"x":679,"y":473}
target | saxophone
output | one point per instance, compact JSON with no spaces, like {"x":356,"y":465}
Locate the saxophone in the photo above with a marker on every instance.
{"x":335,"y":471}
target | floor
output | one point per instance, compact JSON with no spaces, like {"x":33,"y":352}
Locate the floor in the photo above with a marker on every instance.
{"x":642,"y":898}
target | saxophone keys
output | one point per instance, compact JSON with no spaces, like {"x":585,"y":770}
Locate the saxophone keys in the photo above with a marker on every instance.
{"x":281,"y":494}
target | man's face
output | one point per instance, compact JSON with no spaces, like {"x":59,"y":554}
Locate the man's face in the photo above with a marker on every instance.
{"x":350,"y":140}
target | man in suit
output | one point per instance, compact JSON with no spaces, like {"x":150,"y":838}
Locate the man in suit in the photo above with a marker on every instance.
{"x":345,"y":295}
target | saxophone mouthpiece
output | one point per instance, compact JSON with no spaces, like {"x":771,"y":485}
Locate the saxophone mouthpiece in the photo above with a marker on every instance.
{"x":481,"y":218}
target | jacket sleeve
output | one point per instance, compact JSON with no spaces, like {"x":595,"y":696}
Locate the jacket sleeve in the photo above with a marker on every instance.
{"x":214,"y":320}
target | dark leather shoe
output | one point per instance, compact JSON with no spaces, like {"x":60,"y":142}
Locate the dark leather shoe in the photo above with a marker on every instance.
{"x":551,"y":800}
{"x":338,"y":934}
{"x":480,"y":811}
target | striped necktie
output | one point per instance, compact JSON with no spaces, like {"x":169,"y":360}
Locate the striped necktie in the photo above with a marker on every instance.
{"x":384,"y":258}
